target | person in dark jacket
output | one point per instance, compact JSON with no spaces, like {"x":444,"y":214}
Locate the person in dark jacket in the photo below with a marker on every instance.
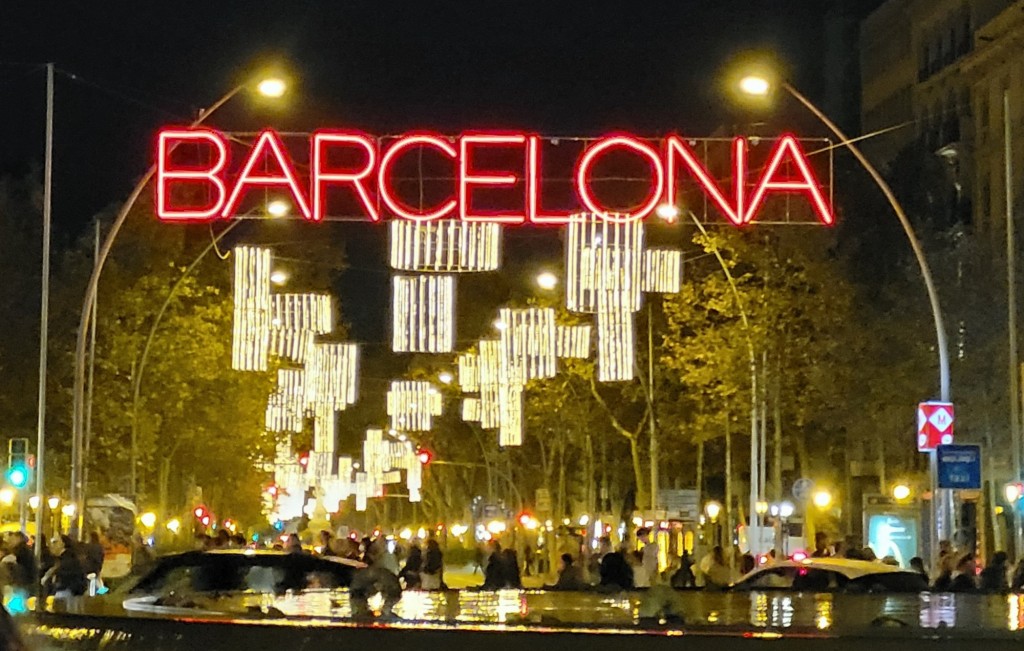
{"x":963,"y":577}
{"x":68,"y":576}
{"x":570,"y":576}
{"x":433,"y":567}
{"x":410,"y":573}
{"x":92,"y":553}
{"x":616,"y":572}
{"x":993,"y":577}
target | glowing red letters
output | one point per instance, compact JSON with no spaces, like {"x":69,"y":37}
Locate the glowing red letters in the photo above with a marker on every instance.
{"x":371,"y":178}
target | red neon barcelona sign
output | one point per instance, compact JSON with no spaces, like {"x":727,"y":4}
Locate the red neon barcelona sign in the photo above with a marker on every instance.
{"x":368,"y":176}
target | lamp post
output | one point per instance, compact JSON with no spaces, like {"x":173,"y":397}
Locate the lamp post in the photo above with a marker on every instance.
{"x":760,"y":86}
{"x":713,"y":509}
{"x":267,"y":87}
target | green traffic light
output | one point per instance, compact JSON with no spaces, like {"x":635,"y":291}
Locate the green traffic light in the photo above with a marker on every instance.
{"x":17,"y":476}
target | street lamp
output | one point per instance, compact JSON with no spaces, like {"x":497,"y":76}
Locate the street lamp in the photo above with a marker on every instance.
{"x":279,"y":277}
{"x":759,"y":85}
{"x":53,"y":503}
{"x":445,"y":377}
{"x":712,"y":510}
{"x":277,"y":208}
{"x":7,"y":496}
{"x":822,"y":499}
{"x":667,"y":212}
{"x":901,"y":492}
{"x":268,"y":87}
{"x":547,"y":280}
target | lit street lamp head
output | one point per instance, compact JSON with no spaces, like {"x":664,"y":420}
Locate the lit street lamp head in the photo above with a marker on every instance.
{"x":273,"y":87}
{"x":667,"y":212}
{"x":279,"y":277}
{"x":547,"y":280}
{"x":277,"y":208}
{"x":755,"y":85}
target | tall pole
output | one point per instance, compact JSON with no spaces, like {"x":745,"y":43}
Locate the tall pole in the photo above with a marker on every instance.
{"x":91,"y":289}
{"x":90,"y":380}
{"x":654,"y":449}
{"x":44,"y":316}
{"x":1011,"y":308}
{"x":940,"y":507}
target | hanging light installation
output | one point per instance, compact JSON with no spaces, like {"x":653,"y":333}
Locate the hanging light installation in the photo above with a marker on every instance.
{"x":471,"y":410}
{"x":448,"y":246}
{"x":573,"y":342}
{"x":295,"y":320}
{"x":332,"y":375}
{"x":469,"y":372}
{"x":603,"y":256}
{"x":663,"y":270}
{"x":412,"y":404}
{"x":286,"y":406}
{"x":510,"y":429}
{"x":251,"y":324}
{"x":616,"y":339}
{"x":490,"y":383}
{"x":423,"y":314}
{"x":528,"y":344}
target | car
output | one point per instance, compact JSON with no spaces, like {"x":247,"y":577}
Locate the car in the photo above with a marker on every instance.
{"x":181,"y":580}
{"x":831,"y":575}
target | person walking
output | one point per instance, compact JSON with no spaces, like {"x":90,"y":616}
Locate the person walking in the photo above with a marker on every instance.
{"x":410,"y":574}
{"x":432,"y":577}
{"x":616,"y":572}
{"x":67,"y":576}
{"x":651,"y":553}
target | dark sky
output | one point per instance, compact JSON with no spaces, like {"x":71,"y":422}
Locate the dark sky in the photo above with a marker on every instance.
{"x":561,"y":67}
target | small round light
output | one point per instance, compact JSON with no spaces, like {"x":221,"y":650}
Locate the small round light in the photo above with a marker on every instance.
{"x":786,"y":509}
{"x":53,"y":503}
{"x":901,"y":491}
{"x":822,"y":499}
{"x":272,"y":87}
{"x":174,"y":525}
{"x":499,"y":325}
{"x":148,"y":519}
{"x":69,"y":510}
{"x":445,"y":377}
{"x":712,"y":509}
{"x":278,"y":277}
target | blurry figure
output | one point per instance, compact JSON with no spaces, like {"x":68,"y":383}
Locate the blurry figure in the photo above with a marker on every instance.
{"x":868,"y":554}
{"x":641,"y":579}
{"x":683,"y":577}
{"x":964,"y":575}
{"x":293,"y":545}
{"x":368,"y":581}
{"x":570,"y":576}
{"x":527,"y":561}
{"x":238,"y":541}
{"x":142,"y":555}
{"x":1017,"y":580}
{"x":994,"y":576}
{"x":717,"y":575}
{"x":23,"y":574}
{"x":222,"y":540}
{"x":384,"y":557}
{"x":747,"y":564}
{"x":410,"y":574}
{"x":510,"y":561}
{"x":67,"y":577}
{"x":650,"y":553}
{"x":917,"y":565}
{"x":432,"y":577}
{"x":821,"y":549}
{"x":891,"y":561}
{"x":325,"y":542}
{"x":92,"y":553}
{"x":947,"y":560}
{"x":616,"y":572}
{"x":202,"y":542}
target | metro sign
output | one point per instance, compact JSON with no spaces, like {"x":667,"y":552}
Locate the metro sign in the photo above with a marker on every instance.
{"x":367,"y":174}
{"x":934,"y":425}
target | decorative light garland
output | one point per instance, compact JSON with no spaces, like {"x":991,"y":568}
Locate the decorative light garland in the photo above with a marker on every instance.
{"x":602,"y":256}
{"x":573,"y":342}
{"x":423,"y":314}
{"x":469,"y":372}
{"x":527,"y":344}
{"x":251,"y":323}
{"x":663,"y":270}
{"x":411,"y":405}
{"x":448,"y":246}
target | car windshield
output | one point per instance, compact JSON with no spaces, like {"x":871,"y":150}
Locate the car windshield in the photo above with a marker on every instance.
{"x":216,"y":573}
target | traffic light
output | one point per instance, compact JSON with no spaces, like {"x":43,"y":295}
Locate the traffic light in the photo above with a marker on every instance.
{"x":424,"y":455}
{"x":199,"y":512}
{"x":304,"y":460}
{"x":18,"y":470}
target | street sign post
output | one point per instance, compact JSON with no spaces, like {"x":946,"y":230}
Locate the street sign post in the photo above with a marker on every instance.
{"x":959,"y":466}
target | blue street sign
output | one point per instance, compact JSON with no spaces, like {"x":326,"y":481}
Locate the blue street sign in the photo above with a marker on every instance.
{"x":959,"y":466}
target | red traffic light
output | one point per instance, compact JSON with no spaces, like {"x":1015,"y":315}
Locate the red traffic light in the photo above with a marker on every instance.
{"x":272,"y":490}
{"x":199,"y":511}
{"x":425,"y":456}
{"x":304,"y":460}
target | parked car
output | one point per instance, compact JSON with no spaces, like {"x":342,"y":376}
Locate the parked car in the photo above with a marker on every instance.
{"x":200,"y":579}
{"x":831,"y":575}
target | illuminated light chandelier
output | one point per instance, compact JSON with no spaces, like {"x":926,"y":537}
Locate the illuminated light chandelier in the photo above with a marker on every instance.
{"x":663,"y":270}
{"x":332,"y":375}
{"x":337,"y":488}
{"x":295,"y":320}
{"x":490,"y":383}
{"x":412,"y":404}
{"x":603,"y":256}
{"x":252,"y":307}
{"x":510,"y":430}
{"x":286,"y":405}
{"x":447,"y":246}
{"x":573,"y":342}
{"x":616,"y":339}
{"x":362,"y":490}
{"x":527,"y":344}
{"x":414,"y":479}
{"x":423,"y":314}
{"x":471,"y":410}
{"x":469,"y":372}
{"x":325,"y":430}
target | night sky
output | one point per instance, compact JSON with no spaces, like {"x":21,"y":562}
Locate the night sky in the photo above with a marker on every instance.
{"x":558,"y":67}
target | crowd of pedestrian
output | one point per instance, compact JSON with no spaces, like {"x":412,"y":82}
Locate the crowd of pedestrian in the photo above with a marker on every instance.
{"x":67,"y":568}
